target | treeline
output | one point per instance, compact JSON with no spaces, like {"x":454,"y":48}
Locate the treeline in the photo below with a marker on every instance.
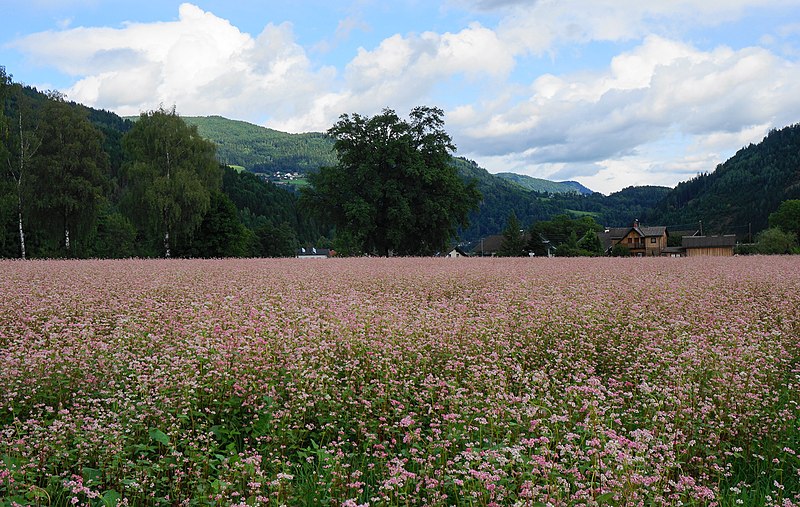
{"x":78,"y":183}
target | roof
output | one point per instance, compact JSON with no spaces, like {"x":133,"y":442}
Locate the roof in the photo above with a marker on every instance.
{"x":491,"y":244}
{"x":726,"y":241}
{"x":458,"y":250}
{"x":616,"y":232}
{"x":653,"y":231}
{"x":683,"y":232}
{"x":647,"y":232}
{"x":607,"y":238}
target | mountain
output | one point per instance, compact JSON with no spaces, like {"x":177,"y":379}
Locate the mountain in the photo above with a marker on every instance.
{"x":545,"y":186}
{"x":740,"y":194}
{"x":264,"y":150}
{"x":502,"y":196}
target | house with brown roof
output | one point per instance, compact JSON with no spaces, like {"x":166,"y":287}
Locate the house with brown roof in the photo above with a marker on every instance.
{"x":641,"y":241}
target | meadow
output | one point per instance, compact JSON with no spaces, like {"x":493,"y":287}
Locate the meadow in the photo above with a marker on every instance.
{"x":399,"y":382}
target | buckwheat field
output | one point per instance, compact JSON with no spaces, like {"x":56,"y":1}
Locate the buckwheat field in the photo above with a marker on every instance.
{"x":399,"y":382}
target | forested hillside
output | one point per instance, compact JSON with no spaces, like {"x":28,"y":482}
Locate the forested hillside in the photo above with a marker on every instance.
{"x":741,"y":193}
{"x":264,"y":150}
{"x":502,"y":197}
{"x":540,"y":185}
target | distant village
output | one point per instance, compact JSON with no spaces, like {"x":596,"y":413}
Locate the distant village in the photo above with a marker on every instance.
{"x":640,"y":241}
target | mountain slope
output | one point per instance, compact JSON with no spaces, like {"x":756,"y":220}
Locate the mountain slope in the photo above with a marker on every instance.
{"x":741,"y":193}
{"x":264,"y":150}
{"x":546,"y":186}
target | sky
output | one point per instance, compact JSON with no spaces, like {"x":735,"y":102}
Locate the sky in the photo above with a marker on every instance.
{"x":610,"y":93}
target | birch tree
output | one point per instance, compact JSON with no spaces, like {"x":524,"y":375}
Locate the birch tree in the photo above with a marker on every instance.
{"x":170,"y":172}
{"x":24,"y":142}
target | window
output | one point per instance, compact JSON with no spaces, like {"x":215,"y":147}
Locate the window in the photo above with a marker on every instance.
{"x":652,"y":240}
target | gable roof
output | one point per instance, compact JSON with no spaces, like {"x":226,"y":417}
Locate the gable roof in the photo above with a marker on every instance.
{"x":727,"y":241}
{"x":653,"y":231}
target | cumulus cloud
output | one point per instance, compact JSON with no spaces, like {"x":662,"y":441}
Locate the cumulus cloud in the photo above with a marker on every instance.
{"x":717,"y":100}
{"x":200,"y":62}
{"x":404,"y":69}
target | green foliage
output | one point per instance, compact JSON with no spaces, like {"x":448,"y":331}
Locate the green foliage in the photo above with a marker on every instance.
{"x":171,"y":173}
{"x":394,"y":188}
{"x":115,"y":236}
{"x":275,"y":240}
{"x":620,"y":250}
{"x":270,"y":213}
{"x":571,"y":237}
{"x":787,"y":217}
{"x":66,"y":181}
{"x":220,"y":234}
{"x":591,"y":243}
{"x":513,"y":244}
{"x":774,"y":241}
{"x":264,"y":150}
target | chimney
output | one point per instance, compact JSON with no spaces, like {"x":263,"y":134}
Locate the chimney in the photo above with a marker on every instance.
{"x":636,"y":223}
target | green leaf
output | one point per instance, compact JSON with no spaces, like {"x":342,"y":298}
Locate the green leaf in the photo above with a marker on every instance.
{"x":605,"y":498}
{"x":91,"y":474}
{"x":159,"y":436}
{"x":111,"y":498}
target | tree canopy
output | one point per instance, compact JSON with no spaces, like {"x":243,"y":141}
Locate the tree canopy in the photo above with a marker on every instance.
{"x":513,"y":244}
{"x":394,"y":189}
{"x":68,"y":178}
{"x":787,"y":217}
{"x":171,"y":174}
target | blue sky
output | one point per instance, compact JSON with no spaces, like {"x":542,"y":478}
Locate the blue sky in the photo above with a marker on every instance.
{"x":610,"y":93}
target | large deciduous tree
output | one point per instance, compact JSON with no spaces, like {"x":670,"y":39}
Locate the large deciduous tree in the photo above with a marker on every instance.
{"x":395,"y":189}
{"x":171,"y":173}
{"x":68,"y":177}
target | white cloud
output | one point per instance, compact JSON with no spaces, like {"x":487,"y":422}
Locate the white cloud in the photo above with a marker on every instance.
{"x":609,"y":122}
{"x":200,"y":62}
{"x":541,"y":26}
{"x":402,"y":71}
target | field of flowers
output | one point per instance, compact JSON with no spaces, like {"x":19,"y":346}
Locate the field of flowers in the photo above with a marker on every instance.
{"x":349,"y":382}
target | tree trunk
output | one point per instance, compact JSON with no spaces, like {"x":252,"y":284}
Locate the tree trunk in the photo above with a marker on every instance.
{"x":21,"y":231}
{"x":166,"y":244}
{"x":66,"y":239}
{"x":19,"y":187}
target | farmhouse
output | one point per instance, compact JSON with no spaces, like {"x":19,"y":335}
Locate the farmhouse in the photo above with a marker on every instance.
{"x":641,"y":241}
